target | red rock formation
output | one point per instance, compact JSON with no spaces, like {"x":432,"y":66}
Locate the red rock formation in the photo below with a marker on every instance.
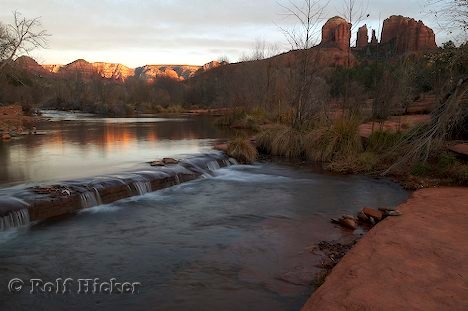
{"x":336,"y":33}
{"x":213,"y":64}
{"x":362,"y":37}
{"x":374,"y":40}
{"x":404,"y":34}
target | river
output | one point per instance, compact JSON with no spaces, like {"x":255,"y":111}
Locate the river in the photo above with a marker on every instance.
{"x":238,"y":239}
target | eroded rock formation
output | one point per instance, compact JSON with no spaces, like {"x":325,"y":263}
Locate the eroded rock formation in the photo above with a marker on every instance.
{"x":336,"y":33}
{"x":403,"y":34}
{"x":374,"y":40}
{"x":362,"y":37}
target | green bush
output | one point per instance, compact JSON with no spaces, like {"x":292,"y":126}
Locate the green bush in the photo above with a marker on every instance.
{"x":382,"y":141}
{"x":420,"y":169}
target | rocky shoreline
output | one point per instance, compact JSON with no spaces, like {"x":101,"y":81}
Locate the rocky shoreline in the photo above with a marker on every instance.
{"x":412,"y":262}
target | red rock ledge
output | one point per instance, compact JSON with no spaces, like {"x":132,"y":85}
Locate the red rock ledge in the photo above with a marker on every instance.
{"x":414,"y":262}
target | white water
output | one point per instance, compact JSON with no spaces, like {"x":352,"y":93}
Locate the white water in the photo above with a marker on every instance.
{"x":14,"y":219}
{"x":213,"y":165}
{"x":142,"y":187}
{"x":90,"y":199}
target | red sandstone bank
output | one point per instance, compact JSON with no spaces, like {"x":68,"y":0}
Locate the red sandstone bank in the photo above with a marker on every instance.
{"x":414,"y":262}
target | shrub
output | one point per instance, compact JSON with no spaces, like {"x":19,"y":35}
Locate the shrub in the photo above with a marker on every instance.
{"x":420,"y":169}
{"x":288,"y":142}
{"x":382,"y":141}
{"x":265,"y":138}
{"x":446,"y":161}
{"x":242,"y":150}
{"x":340,"y":140}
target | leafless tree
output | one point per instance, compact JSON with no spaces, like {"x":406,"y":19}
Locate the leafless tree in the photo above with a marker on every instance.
{"x":450,"y":14}
{"x":355,"y":12}
{"x":308,"y":15}
{"x":20,"y":37}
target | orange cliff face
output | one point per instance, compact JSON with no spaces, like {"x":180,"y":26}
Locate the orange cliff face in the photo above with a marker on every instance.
{"x":120,"y":72}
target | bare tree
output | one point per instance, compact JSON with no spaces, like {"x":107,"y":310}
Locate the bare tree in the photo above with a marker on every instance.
{"x":355,"y":12}
{"x":308,"y":14}
{"x":21,"y":37}
{"x":450,"y":14}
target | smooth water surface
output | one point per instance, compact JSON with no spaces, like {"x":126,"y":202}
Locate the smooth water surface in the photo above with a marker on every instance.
{"x":76,"y":145}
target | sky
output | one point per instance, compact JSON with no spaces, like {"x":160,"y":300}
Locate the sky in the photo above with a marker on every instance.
{"x":194,"y":32}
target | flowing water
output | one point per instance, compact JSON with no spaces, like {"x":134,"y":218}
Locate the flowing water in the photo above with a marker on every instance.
{"x":237,"y":239}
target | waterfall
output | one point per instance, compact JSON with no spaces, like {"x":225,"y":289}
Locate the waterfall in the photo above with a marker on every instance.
{"x":14,"y":219}
{"x":233,"y":161}
{"x":142,"y":187}
{"x":90,"y":199}
{"x":213,"y":165}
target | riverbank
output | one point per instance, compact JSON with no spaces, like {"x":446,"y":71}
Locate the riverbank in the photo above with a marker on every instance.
{"x":413,"y":262}
{"x":14,"y":122}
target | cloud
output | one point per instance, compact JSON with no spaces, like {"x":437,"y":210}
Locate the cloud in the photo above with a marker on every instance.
{"x":168,"y":31}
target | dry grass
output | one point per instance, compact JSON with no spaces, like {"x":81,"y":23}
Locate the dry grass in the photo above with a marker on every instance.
{"x":288,"y":142}
{"x":341,"y":140}
{"x":242,"y":150}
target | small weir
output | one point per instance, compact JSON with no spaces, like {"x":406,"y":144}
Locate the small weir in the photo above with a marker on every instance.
{"x":142,"y":187}
{"x":38,"y":203}
{"x":90,"y":199}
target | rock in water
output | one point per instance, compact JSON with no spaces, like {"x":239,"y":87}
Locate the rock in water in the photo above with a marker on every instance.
{"x":157,"y":163}
{"x":348,"y":223}
{"x":393,"y":213}
{"x":170,"y":161}
{"x":370,"y":212}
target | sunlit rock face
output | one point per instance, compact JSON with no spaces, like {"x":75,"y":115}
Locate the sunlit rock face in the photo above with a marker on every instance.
{"x":113,"y":71}
{"x":404,"y":34}
{"x":30,"y":65}
{"x":336,"y":33}
{"x":176,"y":72}
{"x":362,"y":37}
{"x":212,"y":65}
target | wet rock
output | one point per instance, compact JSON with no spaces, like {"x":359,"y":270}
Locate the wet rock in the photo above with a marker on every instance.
{"x":6,"y":136}
{"x":363,"y":217}
{"x":348,"y":223}
{"x":372,"y":220}
{"x":170,"y":161}
{"x":157,"y":163}
{"x":387,"y":208}
{"x":370,"y":212}
{"x":393,"y":213}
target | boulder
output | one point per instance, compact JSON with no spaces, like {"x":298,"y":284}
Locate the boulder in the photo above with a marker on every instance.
{"x":348,"y":223}
{"x":336,"y":33}
{"x":375,"y":214}
{"x":363,"y":217}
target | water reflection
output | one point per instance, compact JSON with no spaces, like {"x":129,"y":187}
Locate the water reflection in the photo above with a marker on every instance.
{"x":76,"y":145}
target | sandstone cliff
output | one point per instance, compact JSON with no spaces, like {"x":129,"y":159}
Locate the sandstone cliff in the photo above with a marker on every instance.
{"x":403,"y":34}
{"x":362,"y":37}
{"x":336,"y":33}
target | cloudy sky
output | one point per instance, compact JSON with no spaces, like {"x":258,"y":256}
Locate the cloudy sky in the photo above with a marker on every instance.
{"x":142,"y":32}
